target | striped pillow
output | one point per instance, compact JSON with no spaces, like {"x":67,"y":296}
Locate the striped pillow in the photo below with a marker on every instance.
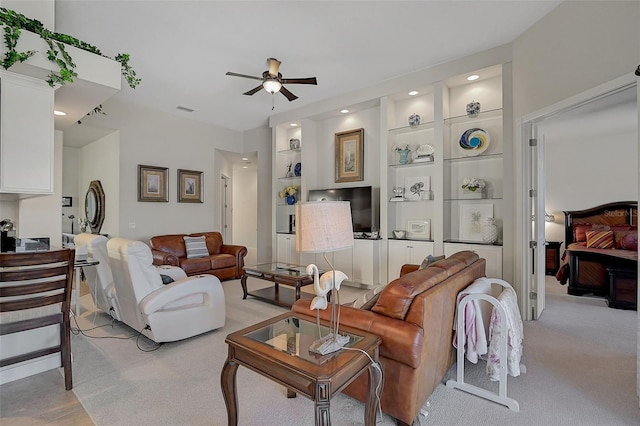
{"x":196,"y":247}
{"x":600,"y":239}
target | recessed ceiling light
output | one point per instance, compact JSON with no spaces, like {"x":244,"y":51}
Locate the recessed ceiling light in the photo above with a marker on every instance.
{"x":245,"y":167}
{"x":344,"y":111}
{"x":473,"y":77}
{"x":245,"y":159}
{"x":293,"y":124}
{"x":413,"y":93}
{"x":56,"y":112}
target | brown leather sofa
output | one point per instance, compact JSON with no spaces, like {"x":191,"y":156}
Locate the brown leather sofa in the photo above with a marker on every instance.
{"x":225,"y":261}
{"x":414,"y":317}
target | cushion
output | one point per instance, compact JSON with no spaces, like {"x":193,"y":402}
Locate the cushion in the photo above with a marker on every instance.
{"x":196,"y":247}
{"x":626,"y":240}
{"x":600,"y":239}
{"x":367,"y":300}
{"x":580,"y":232}
{"x":166,"y":279}
{"x":430,"y":260}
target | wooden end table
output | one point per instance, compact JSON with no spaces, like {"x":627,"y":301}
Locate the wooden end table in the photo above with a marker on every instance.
{"x":279,"y":273}
{"x":278,"y":349}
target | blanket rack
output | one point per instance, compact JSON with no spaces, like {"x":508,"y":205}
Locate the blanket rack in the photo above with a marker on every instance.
{"x":459,"y":383}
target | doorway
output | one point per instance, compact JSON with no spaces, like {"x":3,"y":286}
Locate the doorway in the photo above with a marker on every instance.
{"x":565,"y":177}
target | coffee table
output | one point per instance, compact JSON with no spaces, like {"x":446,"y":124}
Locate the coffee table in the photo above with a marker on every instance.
{"x":279,"y":273}
{"x":278,"y":349}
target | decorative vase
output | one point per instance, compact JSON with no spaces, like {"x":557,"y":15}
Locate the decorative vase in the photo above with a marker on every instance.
{"x":489,"y":231}
{"x":294,"y":143}
{"x":473,"y":109}
{"x":414,"y":120}
{"x":291,"y":199}
{"x":83,"y":229}
{"x":471,"y":194}
{"x":297,"y":170}
{"x":404,"y":155}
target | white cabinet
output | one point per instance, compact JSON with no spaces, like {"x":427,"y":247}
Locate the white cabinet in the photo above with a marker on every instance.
{"x":26,"y":135}
{"x":286,"y":250}
{"x":492,"y":255}
{"x":405,"y":251}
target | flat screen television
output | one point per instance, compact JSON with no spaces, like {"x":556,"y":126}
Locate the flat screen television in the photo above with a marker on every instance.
{"x":363,"y":212}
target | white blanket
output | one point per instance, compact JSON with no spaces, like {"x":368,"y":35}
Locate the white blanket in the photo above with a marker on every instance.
{"x":508,"y":300}
{"x":476,"y":315}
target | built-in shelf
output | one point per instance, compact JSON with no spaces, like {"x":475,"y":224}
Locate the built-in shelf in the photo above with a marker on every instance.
{"x":408,"y":129}
{"x":484,"y":115}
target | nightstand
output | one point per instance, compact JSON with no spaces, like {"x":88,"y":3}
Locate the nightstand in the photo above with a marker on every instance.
{"x":552,"y":257}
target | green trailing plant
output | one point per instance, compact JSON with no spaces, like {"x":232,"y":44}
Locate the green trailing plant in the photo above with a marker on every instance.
{"x":13,"y":22}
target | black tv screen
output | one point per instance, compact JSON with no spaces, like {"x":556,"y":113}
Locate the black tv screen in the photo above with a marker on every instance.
{"x":361,"y":199}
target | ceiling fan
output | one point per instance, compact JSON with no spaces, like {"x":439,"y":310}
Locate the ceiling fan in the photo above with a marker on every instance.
{"x":273,"y":82}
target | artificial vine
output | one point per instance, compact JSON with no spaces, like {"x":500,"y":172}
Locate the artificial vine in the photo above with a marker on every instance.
{"x":13,"y":22}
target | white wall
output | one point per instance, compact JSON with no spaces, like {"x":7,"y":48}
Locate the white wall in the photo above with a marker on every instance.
{"x":41,"y":10}
{"x":70,"y":157}
{"x":154,"y":138}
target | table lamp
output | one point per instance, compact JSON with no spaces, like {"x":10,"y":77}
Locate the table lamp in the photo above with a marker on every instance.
{"x":323,"y":227}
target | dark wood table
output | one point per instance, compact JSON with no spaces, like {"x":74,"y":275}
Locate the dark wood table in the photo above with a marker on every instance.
{"x":279,"y":273}
{"x":278,"y":349}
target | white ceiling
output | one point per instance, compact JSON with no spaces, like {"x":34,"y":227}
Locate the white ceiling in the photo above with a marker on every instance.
{"x":181,"y":49}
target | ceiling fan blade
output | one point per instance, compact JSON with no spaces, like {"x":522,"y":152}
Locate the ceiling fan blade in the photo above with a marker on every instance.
{"x":253,"y":91}
{"x":274,"y":66}
{"x":235,"y":74}
{"x":288,"y":94}
{"x":309,"y":80}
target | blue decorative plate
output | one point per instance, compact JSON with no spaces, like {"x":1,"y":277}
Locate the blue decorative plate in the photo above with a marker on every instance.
{"x":297,"y":170}
{"x":474,"y":141}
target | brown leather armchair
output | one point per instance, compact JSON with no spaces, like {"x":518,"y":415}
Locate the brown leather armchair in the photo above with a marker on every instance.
{"x":414,"y":317}
{"x":225,"y":261}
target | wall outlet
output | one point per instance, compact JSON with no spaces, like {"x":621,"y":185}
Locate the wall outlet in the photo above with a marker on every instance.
{"x":132,"y":225}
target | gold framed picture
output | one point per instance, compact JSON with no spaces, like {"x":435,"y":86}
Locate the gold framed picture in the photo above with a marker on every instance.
{"x":189,"y":186}
{"x":350,"y":156}
{"x":153,"y":183}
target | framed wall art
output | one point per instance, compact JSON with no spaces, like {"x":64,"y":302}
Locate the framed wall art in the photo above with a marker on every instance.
{"x":472,"y":217}
{"x":67,"y":202}
{"x":153,"y":183}
{"x":418,"y":188}
{"x":189,"y":186}
{"x":350,"y":156}
{"x":419,"y":229}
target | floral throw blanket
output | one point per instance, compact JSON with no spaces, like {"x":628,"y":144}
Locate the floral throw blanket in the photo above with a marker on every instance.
{"x":514,"y":329}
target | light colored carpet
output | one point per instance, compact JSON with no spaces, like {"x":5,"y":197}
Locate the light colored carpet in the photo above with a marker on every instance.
{"x":580,"y":359}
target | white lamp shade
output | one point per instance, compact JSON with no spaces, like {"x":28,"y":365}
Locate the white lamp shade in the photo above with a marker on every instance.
{"x":271,"y":86}
{"x":323,"y":226}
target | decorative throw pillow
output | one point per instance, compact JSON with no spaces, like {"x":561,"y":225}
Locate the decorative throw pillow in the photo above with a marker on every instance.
{"x":367,"y":300}
{"x":429,"y":260}
{"x":626,"y":240}
{"x":196,"y":247}
{"x":600,"y":239}
{"x":580,"y":232}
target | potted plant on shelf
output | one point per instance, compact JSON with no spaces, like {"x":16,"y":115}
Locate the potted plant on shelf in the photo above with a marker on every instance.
{"x":289,"y":193}
{"x":473,"y":187}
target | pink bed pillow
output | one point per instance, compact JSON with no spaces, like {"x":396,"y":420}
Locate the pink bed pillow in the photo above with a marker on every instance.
{"x":626,"y":240}
{"x":600,"y":239}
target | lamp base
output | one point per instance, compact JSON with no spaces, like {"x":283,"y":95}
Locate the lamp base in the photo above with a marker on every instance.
{"x":329,"y":344}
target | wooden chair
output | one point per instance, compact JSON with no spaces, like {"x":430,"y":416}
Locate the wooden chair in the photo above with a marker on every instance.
{"x":33,"y":280}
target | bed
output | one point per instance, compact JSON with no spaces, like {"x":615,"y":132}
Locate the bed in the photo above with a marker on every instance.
{"x":601,"y":255}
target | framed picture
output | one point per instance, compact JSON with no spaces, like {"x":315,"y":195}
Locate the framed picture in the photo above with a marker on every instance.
{"x":153,"y":183}
{"x":67,"y":202}
{"x":350,"y":156}
{"x":472,"y":217}
{"x":189,"y":186}
{"x":418,"y":188}
{"x":419,"y":229}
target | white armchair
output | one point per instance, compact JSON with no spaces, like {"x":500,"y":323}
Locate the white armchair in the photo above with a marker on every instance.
{"x":99,"y":277}
{"x":164,"y":313}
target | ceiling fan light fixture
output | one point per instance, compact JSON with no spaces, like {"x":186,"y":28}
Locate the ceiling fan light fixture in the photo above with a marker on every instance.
{"x":272,"y":86}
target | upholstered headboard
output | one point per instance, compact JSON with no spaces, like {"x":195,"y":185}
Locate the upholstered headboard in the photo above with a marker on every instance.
{"x":616,"y":213}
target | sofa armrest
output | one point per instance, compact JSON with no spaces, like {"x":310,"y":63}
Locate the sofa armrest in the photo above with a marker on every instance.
{"x":407,"y":268}
{"x":164,"y":258}
{"x":401,"y":341}
{"x":239,"y":252}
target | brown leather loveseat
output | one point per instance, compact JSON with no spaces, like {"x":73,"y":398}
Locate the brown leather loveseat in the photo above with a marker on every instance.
{"x":225,"y":261}
{"x":414,"y":317}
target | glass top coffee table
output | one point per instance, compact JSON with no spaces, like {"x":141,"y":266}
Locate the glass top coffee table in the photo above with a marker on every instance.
{"x":279,"y":273}
{"x":278,"y":349}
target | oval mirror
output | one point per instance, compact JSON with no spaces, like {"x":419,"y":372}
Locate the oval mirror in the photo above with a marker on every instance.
{"x":94,"y":206}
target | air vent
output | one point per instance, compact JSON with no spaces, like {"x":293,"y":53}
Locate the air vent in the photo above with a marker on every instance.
{"x":184,"y":108}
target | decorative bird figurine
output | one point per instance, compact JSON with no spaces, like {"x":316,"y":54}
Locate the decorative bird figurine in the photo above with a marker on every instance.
{"x":320,"y":301}
{"x":326,"y":280}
